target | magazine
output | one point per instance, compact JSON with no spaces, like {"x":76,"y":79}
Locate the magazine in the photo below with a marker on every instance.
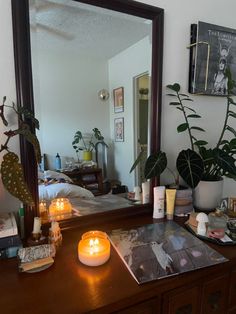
{"x":8,"y":226}
{"x":160,"y":250}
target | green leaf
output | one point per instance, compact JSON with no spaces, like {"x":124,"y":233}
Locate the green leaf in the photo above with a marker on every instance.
{"x":200,"y":143}
{"x":231,"y":101}
{"x":225,"y":161}
{"x":13,"y":178}
{"x":31,"y":138}
{"x":137,"y":161}
{"x":182,"y":127}
{"x":155,"y":165}
{"x":179,"y":108}
{"x":230,"y":129}
{"x":190,"y":167}
{"x":174,"y":103}
{"x":232,"y":114}
{"x":184,"y":95}
{"x":175,"y":87}
{"x":193,"y":116}
{"x":188,"y":99}
{"x":27,"y":115}
{"x":232,"y":143}
{"x":191,"y":109}
{"x":197,"y":128}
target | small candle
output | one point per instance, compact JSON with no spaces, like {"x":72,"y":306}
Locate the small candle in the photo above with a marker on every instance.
{"x":37,"y":225}
{"x":60,"y":206}
{"x":94,"y":248}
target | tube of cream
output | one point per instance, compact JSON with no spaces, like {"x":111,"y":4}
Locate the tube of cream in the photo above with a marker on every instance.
{"x":146,"y":192}
{"x":170,"y":203}
{"x":159,"y":202}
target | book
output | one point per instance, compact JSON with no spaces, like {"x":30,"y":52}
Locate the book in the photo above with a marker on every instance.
{"x":9,"y":252}
{"x":161,"y":250}
{"x":8,"y":226}
{"x":10,"y":241}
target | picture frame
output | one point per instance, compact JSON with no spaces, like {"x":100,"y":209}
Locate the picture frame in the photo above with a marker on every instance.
{"x":212,"y":51}
{"x":232,"y":204}
{"x":118,"y":95}
{"x":119,"y":129}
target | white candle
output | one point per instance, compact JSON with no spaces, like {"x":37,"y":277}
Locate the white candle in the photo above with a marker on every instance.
{"x":94,"y":248}
{"x":37,"y":225}
{"x":137,"y":191}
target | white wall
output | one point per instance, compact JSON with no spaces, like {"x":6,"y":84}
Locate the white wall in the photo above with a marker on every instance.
{"x":7,"y":88}
{"x":178,"y":17}
{"x":67,"y":91}
{"x":135,"y":60}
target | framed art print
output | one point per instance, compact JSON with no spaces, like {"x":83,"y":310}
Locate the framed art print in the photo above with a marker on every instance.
{"x":118,"y":94}
{"x":119,"y":129}
{"x":212,"y":53}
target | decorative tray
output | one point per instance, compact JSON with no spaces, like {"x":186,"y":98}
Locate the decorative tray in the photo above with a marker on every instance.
{"x":227,"y":240}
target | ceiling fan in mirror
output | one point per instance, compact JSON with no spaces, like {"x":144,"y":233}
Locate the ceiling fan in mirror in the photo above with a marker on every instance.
{"x":51,"y":17}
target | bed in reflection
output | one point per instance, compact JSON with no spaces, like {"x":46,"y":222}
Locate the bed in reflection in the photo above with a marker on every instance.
{"x":55,"y":185}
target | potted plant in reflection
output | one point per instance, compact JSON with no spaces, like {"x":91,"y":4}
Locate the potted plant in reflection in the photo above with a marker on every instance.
{"x":87,"y":143}
{"x":202,"y":168}
{"x":11,"y":169}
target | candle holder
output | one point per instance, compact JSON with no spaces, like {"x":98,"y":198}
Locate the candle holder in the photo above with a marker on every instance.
{"x":94,"y":248}
{"x":60,"y":206}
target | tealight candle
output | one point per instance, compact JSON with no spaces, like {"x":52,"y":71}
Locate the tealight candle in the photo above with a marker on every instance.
{"x":94,"y":248}
{"x":60,"y":206}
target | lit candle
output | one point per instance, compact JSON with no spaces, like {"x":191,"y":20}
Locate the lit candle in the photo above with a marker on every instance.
{"x":60,"y":206}
{"x":37,"y":225}
{"x":94,"y":248}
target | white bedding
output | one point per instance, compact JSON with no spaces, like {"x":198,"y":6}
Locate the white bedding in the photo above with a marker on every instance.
{"x":51,"y":191}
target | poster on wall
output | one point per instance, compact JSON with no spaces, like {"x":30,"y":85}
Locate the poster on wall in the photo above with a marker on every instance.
{"x":213,"y":50}
{"x":119,"y":129}
{"x":118,"y":94}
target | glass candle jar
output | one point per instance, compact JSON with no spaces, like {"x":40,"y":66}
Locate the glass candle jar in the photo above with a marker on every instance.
{"x":217,"y":224}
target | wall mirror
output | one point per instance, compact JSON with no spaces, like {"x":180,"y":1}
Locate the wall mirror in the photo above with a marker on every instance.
{"x":64,"y":54}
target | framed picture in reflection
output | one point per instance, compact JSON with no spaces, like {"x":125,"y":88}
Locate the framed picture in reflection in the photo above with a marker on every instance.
{"x":119,"y":129}
{"x":118,"y":95}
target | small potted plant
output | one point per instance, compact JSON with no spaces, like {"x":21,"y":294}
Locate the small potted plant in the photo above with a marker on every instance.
{"x":86,"y":144}
{"x":198,"y":163}
{"x":11,"y":169}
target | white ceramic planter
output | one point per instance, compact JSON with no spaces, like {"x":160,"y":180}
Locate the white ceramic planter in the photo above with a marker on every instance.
{"x":207,"y":195}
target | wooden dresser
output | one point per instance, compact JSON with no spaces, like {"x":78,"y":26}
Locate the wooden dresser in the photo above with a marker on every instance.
{"x":70,"y":287}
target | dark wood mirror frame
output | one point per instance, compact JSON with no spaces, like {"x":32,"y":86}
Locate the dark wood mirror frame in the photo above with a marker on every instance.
{"x":24,"y":90}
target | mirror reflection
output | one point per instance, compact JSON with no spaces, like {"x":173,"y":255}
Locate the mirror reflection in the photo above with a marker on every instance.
{"x":81,"y":55}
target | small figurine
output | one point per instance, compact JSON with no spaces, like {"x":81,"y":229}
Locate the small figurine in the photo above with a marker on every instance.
{"x":55,"y":235}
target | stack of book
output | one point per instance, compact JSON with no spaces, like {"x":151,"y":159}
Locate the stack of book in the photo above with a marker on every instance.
{"x":10,"y":240}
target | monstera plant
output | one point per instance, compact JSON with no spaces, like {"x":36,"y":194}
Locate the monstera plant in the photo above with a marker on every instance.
{"x":198,"y":162}
{"x":11,"y":169}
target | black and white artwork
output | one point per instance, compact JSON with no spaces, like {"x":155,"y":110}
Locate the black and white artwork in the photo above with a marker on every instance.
{"x":213,"y":50}
{"x":160,"y":250}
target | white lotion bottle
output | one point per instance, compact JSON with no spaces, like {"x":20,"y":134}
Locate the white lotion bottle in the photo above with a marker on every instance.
{"x":146,"y":192}
{"x":159,"y":202}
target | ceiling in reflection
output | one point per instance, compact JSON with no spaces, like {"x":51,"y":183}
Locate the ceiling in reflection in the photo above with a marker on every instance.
{"x":58,"y":22}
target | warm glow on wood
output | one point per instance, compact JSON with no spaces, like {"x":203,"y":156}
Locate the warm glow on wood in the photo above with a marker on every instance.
{"x":94,"y":248}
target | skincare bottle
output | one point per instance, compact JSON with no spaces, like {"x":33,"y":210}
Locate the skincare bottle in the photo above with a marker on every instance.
{"x":159,"y":202}
{"x":146,"y":192}
{"x":58,"y":162}
{"x":170,"y":203}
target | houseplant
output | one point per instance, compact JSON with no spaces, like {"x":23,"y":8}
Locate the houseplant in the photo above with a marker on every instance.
{"x":199,"y":163}
{"x":87,"y":145}
{"x":11,"y":170}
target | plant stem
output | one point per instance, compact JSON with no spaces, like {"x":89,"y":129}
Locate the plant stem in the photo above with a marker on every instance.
{"x":186,"y":120}
{"x":225,"y":123}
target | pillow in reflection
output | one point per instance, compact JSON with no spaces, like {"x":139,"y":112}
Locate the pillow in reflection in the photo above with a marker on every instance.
{"x":58,"y":190}
{"x":50,"y":174}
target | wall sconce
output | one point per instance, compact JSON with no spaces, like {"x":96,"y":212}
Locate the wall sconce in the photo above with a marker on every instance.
{"x":103,"y":94}
{"x":60,"y":206}
{"x":94,"y":248}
